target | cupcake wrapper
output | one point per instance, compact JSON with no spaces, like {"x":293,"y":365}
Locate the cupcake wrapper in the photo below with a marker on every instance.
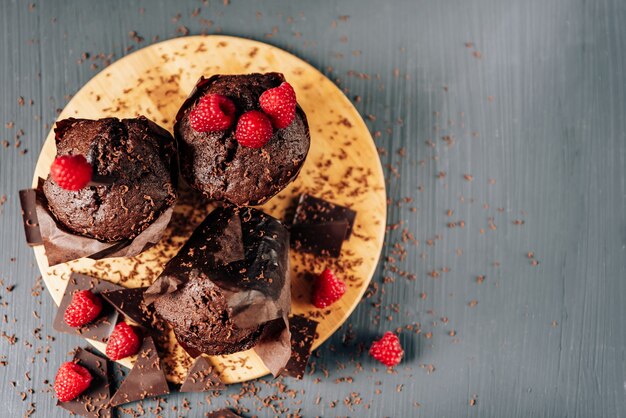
{"x":62,"y":246}
{"x":250,"y":306}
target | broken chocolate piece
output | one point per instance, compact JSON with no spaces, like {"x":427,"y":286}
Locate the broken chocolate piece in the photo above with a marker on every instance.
{"x":323,"y":239}
{"x":222,"y":413}
{"x":99,"y":329}
{"x":28,"y":201}
{"x":129,"y":302}
{"x":201,"y":377}
{"x":94,"y":402}
{"x":313,"y":210}
{"x":145,"y":380}
{"x":302,"y":337}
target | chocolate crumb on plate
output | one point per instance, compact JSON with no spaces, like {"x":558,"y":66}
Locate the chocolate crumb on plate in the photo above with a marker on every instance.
{"x":29,"y":217}
{"x":201,"y":377}
{"x":222,"y":413}
{"x":129,"y":302}
{"x":94,"y":402}
{"x":302,"y":337}
{"x":99,"y":329}
{"x":313,"y":210}
{"x":145,"y":380}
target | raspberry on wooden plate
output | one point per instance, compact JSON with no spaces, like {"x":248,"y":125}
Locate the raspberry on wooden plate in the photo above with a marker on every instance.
{"x":327,"y":289}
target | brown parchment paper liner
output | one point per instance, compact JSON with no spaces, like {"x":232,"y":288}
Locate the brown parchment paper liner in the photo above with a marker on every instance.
{"x":244,"y":252}
{"x":62,"y":246}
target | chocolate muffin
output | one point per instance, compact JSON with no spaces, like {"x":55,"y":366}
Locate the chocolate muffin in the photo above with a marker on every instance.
{"x":227,"y":284}
{"x":216,"y":164}
{"x":138,"y":158}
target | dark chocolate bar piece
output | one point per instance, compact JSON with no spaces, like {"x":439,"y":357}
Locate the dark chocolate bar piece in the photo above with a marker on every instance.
{"x":323,"y":239}
{"x":94,"y":402}
{"x":201,"y":377}
{"x":129,"y":302}
{"x":99,"y":329}
{"x":302,"y":337}
{"x":313,"y":210}
{"x":145,"y":380}
{"x":223,"y":413}
{"x":28,"y":200}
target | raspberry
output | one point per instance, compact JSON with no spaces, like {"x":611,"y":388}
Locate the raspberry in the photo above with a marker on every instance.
{"x":71,"y":381}
{"x":387,"y":350}
{"x":327,"y":289}
{"x":213,"y":113}
{"x":123,"y":342}
{"x":71,"y":172}
{"x":254,"y":129}
{"x":84,"y":308}
{"x":280,"y":105}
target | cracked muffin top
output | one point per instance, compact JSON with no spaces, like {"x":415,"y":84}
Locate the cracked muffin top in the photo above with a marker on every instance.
{"x":137,"y":155}
{"x":216,"y":164}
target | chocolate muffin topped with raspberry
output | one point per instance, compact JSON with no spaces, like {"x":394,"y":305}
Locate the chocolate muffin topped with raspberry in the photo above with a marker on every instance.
{"x":112,"y":178}
{"x":241,"y":138}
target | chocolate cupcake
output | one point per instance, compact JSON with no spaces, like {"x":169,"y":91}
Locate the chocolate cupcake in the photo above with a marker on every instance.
{"x":228,"y":286}
{"x":112,"y":178}
{"x":241,"y":138}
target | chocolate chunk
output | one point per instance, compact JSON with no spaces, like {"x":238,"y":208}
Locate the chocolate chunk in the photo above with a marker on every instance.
{"x":129,"y":302}
{"x":99,"y":329}
{"x":323,"y":239}
{"x":201,"y":377}
{"x":222,"y":413}
{"x":145,"y":380}
{"x":94,"y":402}
{"x":313,"y":210}
{"x":28,"y":199}
{"x":302,"y":337}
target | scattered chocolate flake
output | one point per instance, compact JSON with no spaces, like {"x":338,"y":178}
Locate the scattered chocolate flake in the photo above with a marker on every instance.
{"x":201,"y":377}
{"x":145,"y":380}
{"x":98,"y":330}
{"x":94,"y":402}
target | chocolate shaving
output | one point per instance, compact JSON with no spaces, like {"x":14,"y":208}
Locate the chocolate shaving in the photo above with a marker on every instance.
{"x":94,"y":402}
{"x":28,"y":200}
{"x":145,"y":380}
{"x":99,"y":329}
{"x":201,"y":377}
{"x":62,"y":246}
{"x":129,"y":302}
{"x":302,"y":337}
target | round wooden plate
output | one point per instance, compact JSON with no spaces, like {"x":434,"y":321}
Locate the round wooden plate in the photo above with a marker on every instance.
{"x":342,"y":166}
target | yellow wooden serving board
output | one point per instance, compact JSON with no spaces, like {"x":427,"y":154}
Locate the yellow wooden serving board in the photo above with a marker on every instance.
{"x":342,"y":166}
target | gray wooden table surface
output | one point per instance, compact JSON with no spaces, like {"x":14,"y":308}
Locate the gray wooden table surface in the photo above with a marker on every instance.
{"x":501,"y":129}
